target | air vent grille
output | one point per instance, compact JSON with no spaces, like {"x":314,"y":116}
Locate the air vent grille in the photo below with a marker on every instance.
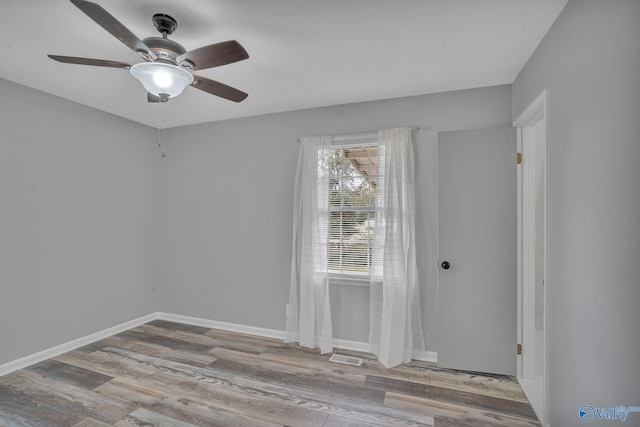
{"x":347,"y":360}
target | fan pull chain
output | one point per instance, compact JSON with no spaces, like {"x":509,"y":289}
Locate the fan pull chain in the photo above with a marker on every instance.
{"x":163,"y":154}
{"x":160,"y":131}
{"x":159,"y":142}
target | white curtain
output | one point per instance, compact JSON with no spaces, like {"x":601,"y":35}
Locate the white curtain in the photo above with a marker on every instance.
{"x":396,"y":334}
{"x":309,"y":310}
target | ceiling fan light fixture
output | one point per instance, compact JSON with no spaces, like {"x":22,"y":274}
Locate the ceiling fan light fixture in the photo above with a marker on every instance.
{"x":169,"y":65}
{"x":162,"y":79}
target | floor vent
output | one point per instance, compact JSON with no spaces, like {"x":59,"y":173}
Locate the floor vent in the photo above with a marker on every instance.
{"x":347,"y":360}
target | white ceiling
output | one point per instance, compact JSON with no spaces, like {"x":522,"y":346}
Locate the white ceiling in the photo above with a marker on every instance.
{"x":303,"y":53}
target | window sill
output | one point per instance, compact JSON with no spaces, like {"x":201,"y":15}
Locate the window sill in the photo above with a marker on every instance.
{"x":348,"y":280}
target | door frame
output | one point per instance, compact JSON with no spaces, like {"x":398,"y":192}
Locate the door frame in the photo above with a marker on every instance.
{"x":536,"y":111}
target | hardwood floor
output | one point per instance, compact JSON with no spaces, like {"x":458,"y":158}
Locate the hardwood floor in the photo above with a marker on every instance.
{"x":169,"y":374}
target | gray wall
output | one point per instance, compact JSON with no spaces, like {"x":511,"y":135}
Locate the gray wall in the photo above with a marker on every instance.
{"x":77,"y":220}
{"x":590,"y":61}
{"x":96,"y":227}
{"x":227,"y":198}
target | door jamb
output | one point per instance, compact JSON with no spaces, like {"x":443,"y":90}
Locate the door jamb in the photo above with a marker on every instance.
{"x":537,"y":110}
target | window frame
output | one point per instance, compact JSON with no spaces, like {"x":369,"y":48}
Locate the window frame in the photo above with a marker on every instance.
{"x":353,"y":278}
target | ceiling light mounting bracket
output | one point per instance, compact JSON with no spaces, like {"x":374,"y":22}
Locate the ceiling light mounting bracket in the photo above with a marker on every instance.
{"x":165,"y":24}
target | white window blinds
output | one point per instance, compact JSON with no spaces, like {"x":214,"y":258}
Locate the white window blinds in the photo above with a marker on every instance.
{"x":352,"y":194}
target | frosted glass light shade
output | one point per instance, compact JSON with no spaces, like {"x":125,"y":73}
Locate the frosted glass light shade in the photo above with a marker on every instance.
{"x":158,"y":78}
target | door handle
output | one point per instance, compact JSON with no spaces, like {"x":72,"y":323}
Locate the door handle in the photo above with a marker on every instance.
{"x":446,"y":265}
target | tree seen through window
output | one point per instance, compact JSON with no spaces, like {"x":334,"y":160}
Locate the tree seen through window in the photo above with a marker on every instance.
{"x":352,"y":183}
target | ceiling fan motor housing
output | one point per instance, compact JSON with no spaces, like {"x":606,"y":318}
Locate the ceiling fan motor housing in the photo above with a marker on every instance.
{"x":166,"y":50}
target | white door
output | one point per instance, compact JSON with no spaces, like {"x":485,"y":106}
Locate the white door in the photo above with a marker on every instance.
{"x":477,"y":250}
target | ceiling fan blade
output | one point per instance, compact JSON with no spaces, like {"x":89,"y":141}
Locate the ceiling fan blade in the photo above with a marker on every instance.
{"x":154,"y":98}
{"x":113,"y":26}
{"x":214,"y":55}
{"x":219,"y":89}
{"x":90,"y":61}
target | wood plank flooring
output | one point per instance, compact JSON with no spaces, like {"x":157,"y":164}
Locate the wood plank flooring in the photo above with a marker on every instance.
{"x":168,"y":374}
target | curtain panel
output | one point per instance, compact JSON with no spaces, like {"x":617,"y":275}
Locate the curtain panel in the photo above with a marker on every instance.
{"x":395,"y":334}
{"x":309,"y":309}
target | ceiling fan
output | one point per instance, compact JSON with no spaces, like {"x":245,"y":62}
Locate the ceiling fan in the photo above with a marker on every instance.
{"x":169,"y":66}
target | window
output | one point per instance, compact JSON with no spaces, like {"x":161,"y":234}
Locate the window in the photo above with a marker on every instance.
{"x":335,"y":240}
{"x":352,"y":194}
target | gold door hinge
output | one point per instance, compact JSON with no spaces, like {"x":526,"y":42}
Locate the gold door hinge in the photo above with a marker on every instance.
{"x":519,"y":348}
{"x":519,"y":158}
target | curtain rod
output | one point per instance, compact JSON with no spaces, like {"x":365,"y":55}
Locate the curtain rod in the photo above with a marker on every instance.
{"x":360,"y":135}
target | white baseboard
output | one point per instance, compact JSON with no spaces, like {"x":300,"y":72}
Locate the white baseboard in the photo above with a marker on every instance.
{"x":252,"y":330}
{"x":52,"y":352}
{"x":214,"y":324}
{"x":49,"y":353}
{"x":351,"y":345}
{"x":432,"y":356}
